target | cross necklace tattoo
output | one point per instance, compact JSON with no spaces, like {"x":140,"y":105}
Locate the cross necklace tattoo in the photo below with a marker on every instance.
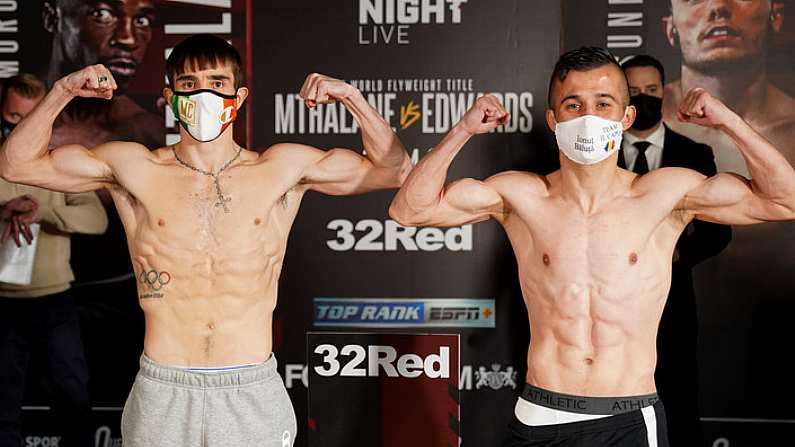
{"x":216,"y":176}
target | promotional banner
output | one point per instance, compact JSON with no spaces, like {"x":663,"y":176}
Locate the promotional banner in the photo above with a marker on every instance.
{"x":421,"y":64}
{"x":348,"y":266}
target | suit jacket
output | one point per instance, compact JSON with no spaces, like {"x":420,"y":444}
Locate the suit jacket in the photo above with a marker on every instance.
{"x":701,"y":240}
{"x":677,"y":337}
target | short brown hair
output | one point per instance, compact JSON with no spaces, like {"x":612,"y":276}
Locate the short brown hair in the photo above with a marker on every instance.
{"x":25,"y":84}
{"x":200,"y":52}
{"x":584,"y":59}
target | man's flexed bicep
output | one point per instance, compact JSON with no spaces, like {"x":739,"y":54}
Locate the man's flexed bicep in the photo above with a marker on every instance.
{"x":729,"y":198}
{"x":384,"y":162}
{"x":71,"y":168}
{"x":425,"y":199}
{"x":344,"y":172}
{"x":732,"y":199}
{"x":335,"y":172}
{"x":461,"y":202}
{"x":25,"y":156}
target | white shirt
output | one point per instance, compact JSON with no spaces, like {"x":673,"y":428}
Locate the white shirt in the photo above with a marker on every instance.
{"x":653,"y":153}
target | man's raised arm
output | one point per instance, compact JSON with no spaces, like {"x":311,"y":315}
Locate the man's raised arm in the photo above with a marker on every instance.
{"x":25,"y":157}
{"x":424,"y":198}
{"x":730,"y":198}
{"x":343,"y":171}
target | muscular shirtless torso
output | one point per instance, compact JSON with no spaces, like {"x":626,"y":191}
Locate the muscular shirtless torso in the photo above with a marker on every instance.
{"x":594,"y":281}
{"x":207,"y":279}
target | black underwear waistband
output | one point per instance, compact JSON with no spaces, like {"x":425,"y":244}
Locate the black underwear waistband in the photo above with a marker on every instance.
{"x":585,"y":404}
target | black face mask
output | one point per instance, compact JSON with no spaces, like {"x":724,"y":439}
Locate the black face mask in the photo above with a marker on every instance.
{"x":649,"y":110}
{"x":6,"y":128}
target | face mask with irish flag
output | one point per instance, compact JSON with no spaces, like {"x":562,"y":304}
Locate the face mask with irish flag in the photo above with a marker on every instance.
{"x":205,"y":114}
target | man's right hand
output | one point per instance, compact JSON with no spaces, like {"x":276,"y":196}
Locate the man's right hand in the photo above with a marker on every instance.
{"x":94,"y":81}
{"x":19,"y":212}
{"x":18,"y":205}
{"x":485,"y":115}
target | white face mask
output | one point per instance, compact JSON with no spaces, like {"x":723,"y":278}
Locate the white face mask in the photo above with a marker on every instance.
{"x":589,"y":139}
{"x":205,"y":114}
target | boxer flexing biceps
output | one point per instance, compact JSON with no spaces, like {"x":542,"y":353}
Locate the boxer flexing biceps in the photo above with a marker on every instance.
{"x":207,"y":223}
{"x":594,"y":245}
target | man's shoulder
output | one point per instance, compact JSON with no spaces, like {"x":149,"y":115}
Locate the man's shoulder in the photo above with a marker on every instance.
{"x":289,"y":160}
{"x":289,"y":150}
{"x":518,"y":182}
{"x":124,"y":152}
{"x":667,"y":180}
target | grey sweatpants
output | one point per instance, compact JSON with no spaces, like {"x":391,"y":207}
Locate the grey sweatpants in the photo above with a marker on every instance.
{"x":174,"y":407}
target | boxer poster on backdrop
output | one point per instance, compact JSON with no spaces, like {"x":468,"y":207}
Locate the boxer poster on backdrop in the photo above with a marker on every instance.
{"x":744,"y":295}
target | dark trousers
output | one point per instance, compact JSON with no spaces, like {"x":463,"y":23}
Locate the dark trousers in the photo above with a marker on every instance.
{"x":46,"y":326}
{"x":677,"y":362}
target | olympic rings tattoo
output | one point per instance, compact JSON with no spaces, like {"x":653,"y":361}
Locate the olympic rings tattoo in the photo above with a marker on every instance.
{"x":155,"y":280}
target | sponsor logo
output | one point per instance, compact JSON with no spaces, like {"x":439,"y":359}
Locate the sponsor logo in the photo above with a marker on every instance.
{"x":387,"y":22}
{"x":296,"y":374}
{"x":103,"y":438}
{"x":396,"y":312}
{"x":374,"y":235}
{"x":494,"y":378}
{"x":42,"y":441}
{"x":381,"y":361}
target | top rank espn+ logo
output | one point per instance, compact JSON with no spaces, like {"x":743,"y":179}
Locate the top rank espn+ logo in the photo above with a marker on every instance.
{"x":389,"y":21}
{"x":399,"y":312}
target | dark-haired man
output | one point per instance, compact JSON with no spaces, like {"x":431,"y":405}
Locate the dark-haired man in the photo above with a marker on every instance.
{"x":207,"y":223}
{"x":594,"y":245}
{"x":649,"y":144}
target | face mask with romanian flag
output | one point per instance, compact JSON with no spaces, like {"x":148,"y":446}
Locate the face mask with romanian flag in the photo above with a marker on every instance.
{"x":589,"y":139}
{"x":205,"y":114}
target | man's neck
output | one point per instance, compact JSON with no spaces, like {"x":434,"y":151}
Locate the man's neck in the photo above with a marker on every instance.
{"x":590,"y":186}
{"x":210,"y":156}
{"x":644,"y":134}
{"x":744,"y":89}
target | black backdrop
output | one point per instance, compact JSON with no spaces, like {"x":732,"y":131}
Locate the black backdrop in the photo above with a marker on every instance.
{"x":467,"y":48}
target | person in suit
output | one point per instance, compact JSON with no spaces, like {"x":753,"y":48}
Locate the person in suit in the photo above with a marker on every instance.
{"x":649,"y":144}
{"x":39,"y":321}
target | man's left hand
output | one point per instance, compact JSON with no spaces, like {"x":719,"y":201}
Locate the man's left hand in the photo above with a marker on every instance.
{"x":322,"y":89}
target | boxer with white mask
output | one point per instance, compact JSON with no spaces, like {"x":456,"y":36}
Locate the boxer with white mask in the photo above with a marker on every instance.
{"x":594,"y":245}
